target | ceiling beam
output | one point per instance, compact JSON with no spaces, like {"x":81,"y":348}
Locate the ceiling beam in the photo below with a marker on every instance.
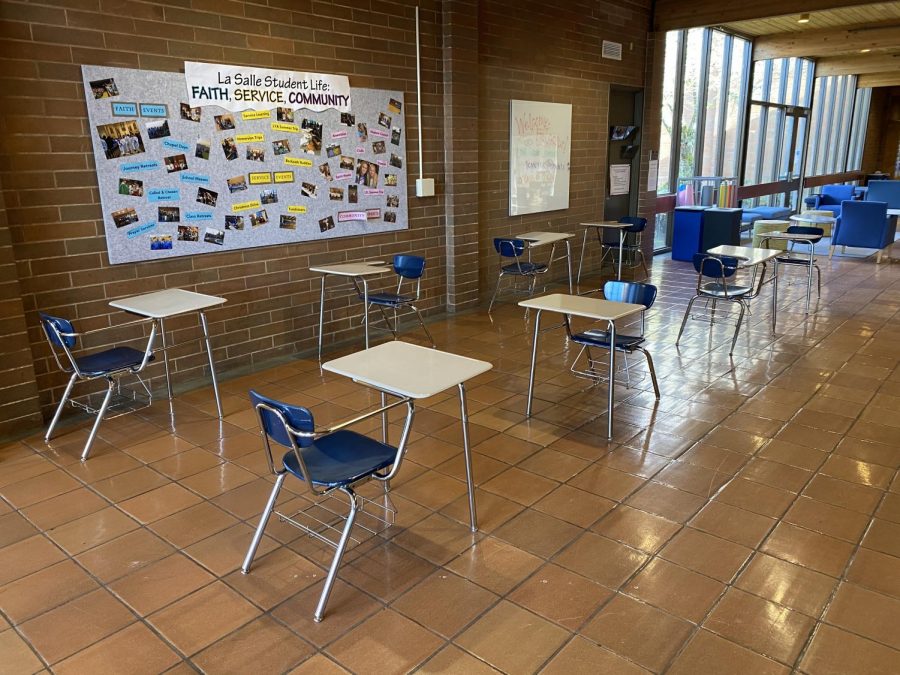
{"x":825,"y":42}
{"x":857,"y":65}
{"x":677,"y":14}
{"x":889,"y":79}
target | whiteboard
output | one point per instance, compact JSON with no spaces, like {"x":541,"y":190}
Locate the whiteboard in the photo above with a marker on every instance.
{"x":540,"y":140}
{"x":189,"y":181}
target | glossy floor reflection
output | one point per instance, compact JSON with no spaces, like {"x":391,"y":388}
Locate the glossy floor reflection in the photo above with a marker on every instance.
{"x":749,"y":521}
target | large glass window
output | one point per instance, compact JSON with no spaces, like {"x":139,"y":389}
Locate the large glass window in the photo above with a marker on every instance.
{"x":837,"y":126}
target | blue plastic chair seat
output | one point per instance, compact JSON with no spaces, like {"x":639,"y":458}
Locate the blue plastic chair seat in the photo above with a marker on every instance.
{"x":341,"y":458}
{"x":110,"y":361}
{"x":789,"y":260}
{"x":525,"y":268}
{"x":718,"y":290}
{"x":389,"y":299}
{"x":600,"y":338}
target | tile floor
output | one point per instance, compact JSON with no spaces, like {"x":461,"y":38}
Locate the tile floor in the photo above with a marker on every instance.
{"x":749,"y":521}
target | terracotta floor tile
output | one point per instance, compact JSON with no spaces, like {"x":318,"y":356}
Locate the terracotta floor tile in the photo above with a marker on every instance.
{"x":755,"y":623}
{"x":27,"y":556}
{"x":709,"y":654}
{"x":876,"y":571}
{"x":133,"y":650}
{"x":520,"y":486}
{"x":883,"y":536}
{"x":17,"y":655}
{"x":827,"y":519}
{"x":156,"y":585}
{"x":775,"y":474}
{"x":866,"y":451}
{"x":158,"y":448}
{"x":866,"y":613}
{"x":492,"y":510}
{"x":124,"y":554}
{"x":192,"y":524}
{"x":505,"y":449}
{"x":262,"y":645}
{"x":436,"y":538}
{"x":198,"y":620}
{"x":553,"y":464}
{"x":495,"y":565}
{"x":716,"y":459}
{"x":855,"y":471}
{"x":639,"y":632}
{"x":483,"y":467}
{"x":218,"y":479}
{"x":37,"y":489}
{"x":582,"y":657}
{"x":384,"y":571}
{"x":386,"y":642}
{"x":159,"y":503}
{"x":706,"y":554}
{"x":432,"y":489}
{"x":275,"y":577}
{"x":793,"y":454}
{"x":92,"y":530}
{"x":497,"y":638}
{"x":130,"y":483}
{"x":638,"y":529}
{"x":224,"y":551}
{"x":889,"y":509}
{"x":670,"y":503}
{"x":756,"y":497}
{"x":452,"y":660}
{"x":70,"y":628}
{"x":675,"y":589}
{"x":836,"y":652}
{"x":444,"y":602}
{"x":537,"y":533}
{"x":842,"y":493}
{"x":607,"y":483}
{"x":561,"y":596}
{"x":319,"y":665}
{"x":787,"y":584}
{"x":603,"y":560}
{"x":66,"y":507}
{"x":186,"y":463}
{"x":47,"y":588}
{"x":803,"y":547}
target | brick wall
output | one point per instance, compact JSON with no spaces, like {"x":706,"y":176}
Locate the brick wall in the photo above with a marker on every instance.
{"x":476,"y":55}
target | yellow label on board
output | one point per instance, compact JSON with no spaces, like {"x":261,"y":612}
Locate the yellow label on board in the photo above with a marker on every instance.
{"x":244,"y":206}
{"x":296,"y":209}
{"x":249,"y":138}
{"x":260,"y":178}
{"x":283,"y":177}
{"x":285,"y":126}
{"x":256,"y":115}
{"x":296,"y":161}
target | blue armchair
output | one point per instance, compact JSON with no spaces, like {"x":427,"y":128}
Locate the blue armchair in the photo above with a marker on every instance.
{"x":830,"y":199}
{"x":864,"y":225}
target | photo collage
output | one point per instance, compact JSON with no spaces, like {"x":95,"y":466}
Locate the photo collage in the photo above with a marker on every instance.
{"x":201,"y":179}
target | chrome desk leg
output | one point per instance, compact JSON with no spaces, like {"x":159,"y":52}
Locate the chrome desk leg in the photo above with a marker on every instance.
{"x":621,"y":247}
{"x":321,"y":314}
{"x":162,"y":332}
{"x":809,"y":276}
{"x":774,"y":292}
{"x":569,"y":265}
{"x":263,"y":521}
{"x":612,"y":378}
{"x":467,"y":456}
{"x":384,"y":420}
{"x":212,"y":366}
{"x":581,"y":259}
{"x":366,"y":309}
{"x":338,"y":554}
{"x":537,"y":332}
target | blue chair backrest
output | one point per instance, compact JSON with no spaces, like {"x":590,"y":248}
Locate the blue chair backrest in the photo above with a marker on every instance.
{"x":630,"y":291}
{"x":805,"y":229}
{"x":409,"y":266}
{"x":61,"y":325}
{"x":860,"y":213}
{"x":637,"y":224}
{"x":297,"y":417}
{"x":835,"y":194}
{"x":715,"y":266}
{"x":885,"y":191}
{"x":509,"y":248}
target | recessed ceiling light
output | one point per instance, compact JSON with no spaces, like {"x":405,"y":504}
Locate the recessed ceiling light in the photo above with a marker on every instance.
{"x":804,"y":18}
{"x":864,"y":51}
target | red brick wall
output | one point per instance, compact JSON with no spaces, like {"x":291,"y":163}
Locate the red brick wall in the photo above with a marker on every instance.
{"x":477,"y":54}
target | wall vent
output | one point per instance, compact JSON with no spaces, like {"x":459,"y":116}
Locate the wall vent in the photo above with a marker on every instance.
{"x":612,"y":50}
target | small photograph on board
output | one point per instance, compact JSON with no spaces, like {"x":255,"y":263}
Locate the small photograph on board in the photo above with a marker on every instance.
{"x":348,"y":163}
{"x":395,"y":135}
{"x":229,"y":147}
{"x":158,"y":129}
{"x":261,"y":217}
{"x":384,"y":120}
{"x":362,"y":132}
{"x":394,"y":105}
{"x":131,"y":187}
{"x":190,"y":114}
{"x":362,"y":170}
{"x":160,"y":242}
{"x":234,"y":222}
{"x":268,"y":197}
{"x":333,"y":150}
{"x":224,"y":122}
{"x":104,"y":88}
{"x":378,"y":147}
{"x":168,"y":214}
{"x":288,"y":222}
{"x":124,"y":217}
{"x":188,"y":233}
{"x":325,"y":170}
{"x":372,"y":175}
{"x":307,"y":189}
{"x":397,"y":161}
{"x":313,"y":142}
{"x":393,"y":201}
{"x":281,"y":147}
{"x":201,"y":150}
{"x":120,"y":139}
{"x":214,"y":236}
{"x":284,"y":114}
{"x":256,"y":153}
{"x":390,"y":180}
{"x":175,"y":163}
{"x":237,"y":184}
{"x":207,"y":197}
{"x":352,"y":194}
{"x":348,"y":119}
{"x":327,"y":223}
{"x":390,"y":217}
{"x":620,"y":133}
{"x":336,"y":194}
{"x":628,"y":151}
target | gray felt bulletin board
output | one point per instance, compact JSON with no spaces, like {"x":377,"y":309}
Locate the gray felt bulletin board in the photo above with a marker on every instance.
{"x":176,"y":180}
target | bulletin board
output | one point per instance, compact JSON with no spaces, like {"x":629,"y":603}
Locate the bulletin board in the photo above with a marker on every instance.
{"x":179,"y":180}
{"x":540,"y":140}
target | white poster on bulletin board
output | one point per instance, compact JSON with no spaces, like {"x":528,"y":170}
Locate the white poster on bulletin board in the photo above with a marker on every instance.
{"x":619,"y":179}
{"x":540,"y":139}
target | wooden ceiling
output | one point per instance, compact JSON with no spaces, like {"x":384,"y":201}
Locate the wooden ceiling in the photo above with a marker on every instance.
{"x":841,"y":17}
